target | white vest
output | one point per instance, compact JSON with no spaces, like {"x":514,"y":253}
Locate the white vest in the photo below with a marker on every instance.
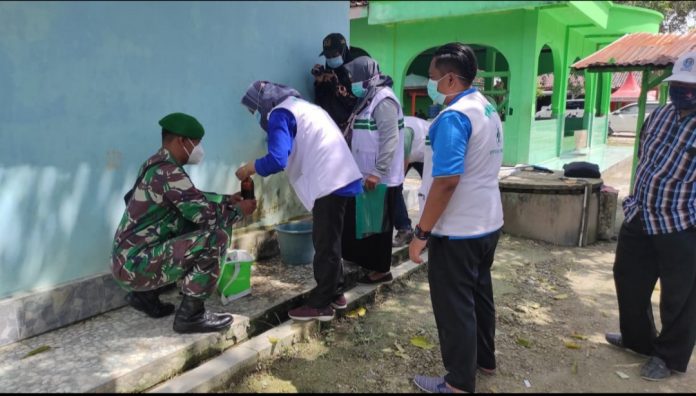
{"x":320,"y":161}
{"x":475,"y":207}
{"x":365,"y":141}
{"x":420,"y":130}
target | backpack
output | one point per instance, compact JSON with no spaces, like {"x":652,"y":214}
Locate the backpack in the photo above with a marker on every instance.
{"x":582,"y":169}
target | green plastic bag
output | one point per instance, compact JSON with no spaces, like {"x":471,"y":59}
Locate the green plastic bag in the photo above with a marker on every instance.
{"x":369,"y":212}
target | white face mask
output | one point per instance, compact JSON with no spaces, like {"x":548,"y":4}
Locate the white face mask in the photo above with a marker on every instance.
{"x":196,"y":155}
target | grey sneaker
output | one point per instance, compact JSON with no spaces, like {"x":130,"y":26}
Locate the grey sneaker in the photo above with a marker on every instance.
{"x":655,"y":369}
{"x":402,"y":238}
{"x":614,"y":339}
{"x":431,"y":384}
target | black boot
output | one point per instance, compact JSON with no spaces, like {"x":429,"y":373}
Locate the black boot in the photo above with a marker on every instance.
{"x":149,"y":302}
{"x":192,"y":317}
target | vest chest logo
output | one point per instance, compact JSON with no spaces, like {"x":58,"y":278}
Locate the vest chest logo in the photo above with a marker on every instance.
{"x":488,"y":110}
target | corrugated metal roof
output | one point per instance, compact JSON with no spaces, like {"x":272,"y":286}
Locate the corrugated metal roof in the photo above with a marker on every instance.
{"x":640,"y":49}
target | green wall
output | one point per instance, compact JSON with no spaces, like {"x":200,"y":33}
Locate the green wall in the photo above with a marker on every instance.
{"x":397,"y":34}
{"x":414,"y":38}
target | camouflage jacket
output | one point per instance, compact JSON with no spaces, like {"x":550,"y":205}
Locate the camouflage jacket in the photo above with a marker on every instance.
{"x":162,"y":204}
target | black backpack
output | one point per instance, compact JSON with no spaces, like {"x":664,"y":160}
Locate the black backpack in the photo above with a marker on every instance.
{"x":582,"y":169}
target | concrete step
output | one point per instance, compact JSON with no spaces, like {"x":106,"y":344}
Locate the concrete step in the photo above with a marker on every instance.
{"x":216,"y":374}
{"x":125,"y":351}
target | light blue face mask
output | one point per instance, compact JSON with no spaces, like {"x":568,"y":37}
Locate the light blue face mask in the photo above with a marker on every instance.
{"x":434,"y":94}
{"x":257,"y":115}
{"x":357,"y":88}
{"x":334,"y":62}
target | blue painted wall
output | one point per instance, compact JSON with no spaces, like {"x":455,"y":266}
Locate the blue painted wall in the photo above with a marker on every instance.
{"x":82,"y":86}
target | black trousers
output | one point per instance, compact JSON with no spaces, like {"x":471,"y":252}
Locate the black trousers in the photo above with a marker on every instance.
{"x":328,"y":214}
{"x":640,"y":260}
{"x":400,"y":215}
{"x":459,"y":274}
{"x":374,"y":252}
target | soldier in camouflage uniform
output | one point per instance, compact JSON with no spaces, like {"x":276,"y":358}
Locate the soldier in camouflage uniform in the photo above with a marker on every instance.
{"x":171,"y":230}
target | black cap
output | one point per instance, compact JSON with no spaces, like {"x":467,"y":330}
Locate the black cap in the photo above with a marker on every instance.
{"x":334,"y":43}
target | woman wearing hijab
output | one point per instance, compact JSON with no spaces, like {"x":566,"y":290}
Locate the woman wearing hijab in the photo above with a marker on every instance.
{"x":375,"y":134}
{"x":303,"y":140}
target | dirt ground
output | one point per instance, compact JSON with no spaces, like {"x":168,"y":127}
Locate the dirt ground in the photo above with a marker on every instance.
{"x":553,"y":305}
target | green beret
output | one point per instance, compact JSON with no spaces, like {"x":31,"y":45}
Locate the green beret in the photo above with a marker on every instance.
{"x":183,"y":125}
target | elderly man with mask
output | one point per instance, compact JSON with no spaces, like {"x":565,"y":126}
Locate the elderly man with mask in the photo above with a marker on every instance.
{"x":658,"y":237}
{"x":171,"y":230}
{"x":376,"y":136}
{"x":303,"y":140}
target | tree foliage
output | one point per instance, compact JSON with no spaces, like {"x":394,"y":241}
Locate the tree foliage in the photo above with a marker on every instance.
{"x":679,"y":15}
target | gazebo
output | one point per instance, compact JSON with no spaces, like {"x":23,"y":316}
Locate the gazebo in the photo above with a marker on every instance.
{"x":628,"y":92}
{"x":651,"y":54}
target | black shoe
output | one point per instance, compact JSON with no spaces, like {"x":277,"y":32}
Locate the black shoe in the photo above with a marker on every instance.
{"x":614,"y":339}
{"x":149,"y":302}
{"x":366,"y":279}
{"x":192,"y":317}
{"x":655,"y":369}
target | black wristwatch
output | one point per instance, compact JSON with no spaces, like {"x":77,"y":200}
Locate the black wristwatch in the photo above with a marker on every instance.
{"x":420,"y":234}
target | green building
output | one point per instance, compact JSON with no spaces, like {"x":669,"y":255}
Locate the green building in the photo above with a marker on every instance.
{"x":515,"y":42}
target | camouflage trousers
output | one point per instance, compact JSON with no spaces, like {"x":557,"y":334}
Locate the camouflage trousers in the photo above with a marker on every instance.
{"x":195,"y":256}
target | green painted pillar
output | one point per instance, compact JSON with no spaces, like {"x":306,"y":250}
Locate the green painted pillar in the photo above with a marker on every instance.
{"x":490,"y":67}
{"x":562,"y":93}
{"x":642,"y":99}
{"x":605,"y":104}
{"x":522,"y":83}
{"x":664,"y":93}
{"x":590,"y":103}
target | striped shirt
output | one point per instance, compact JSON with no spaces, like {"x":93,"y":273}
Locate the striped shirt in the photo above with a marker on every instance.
{"x":665,"y":184}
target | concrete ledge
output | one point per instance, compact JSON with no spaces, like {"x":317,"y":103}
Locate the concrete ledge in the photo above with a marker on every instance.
{"x":125,"y":351}
{"x":215,"y":374}
{"x":29,"y":314}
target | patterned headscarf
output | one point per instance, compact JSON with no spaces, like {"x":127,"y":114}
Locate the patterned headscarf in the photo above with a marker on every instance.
{"x":264,"y":96}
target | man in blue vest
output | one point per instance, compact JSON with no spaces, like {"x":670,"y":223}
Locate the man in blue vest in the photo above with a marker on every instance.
{"x":461,"y":216}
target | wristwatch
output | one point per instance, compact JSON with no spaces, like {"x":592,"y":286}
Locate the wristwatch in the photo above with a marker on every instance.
{"x":420,"y":234}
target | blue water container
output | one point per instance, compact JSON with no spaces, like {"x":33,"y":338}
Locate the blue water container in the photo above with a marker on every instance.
{"x":295,"y":242}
